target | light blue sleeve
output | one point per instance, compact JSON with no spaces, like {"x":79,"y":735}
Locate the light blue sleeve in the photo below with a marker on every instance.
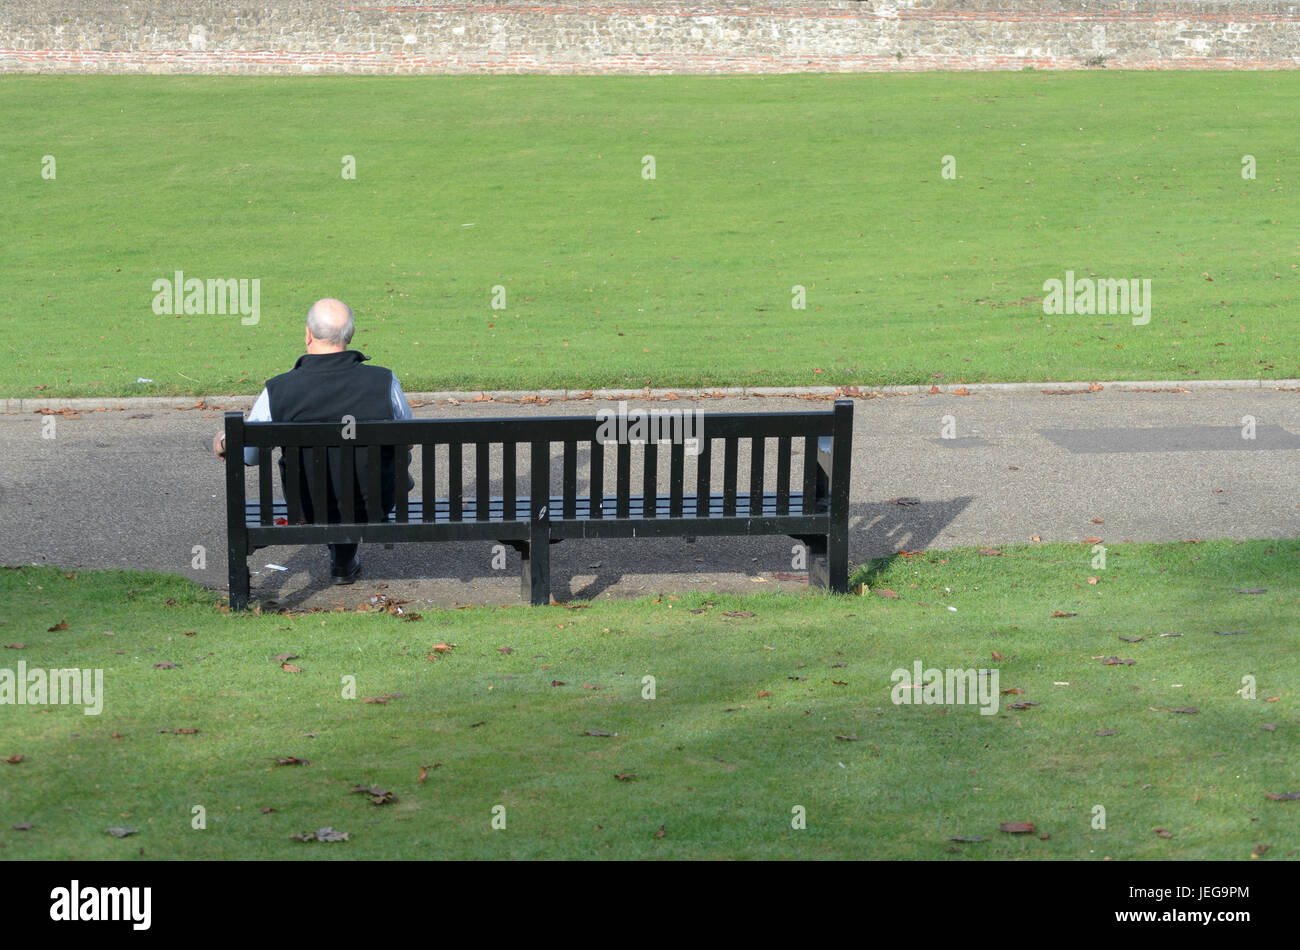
{"x":261,"y":412}
{"x":401,"y":408}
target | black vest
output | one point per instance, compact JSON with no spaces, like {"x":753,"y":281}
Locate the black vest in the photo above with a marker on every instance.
{"x":325,"y":387}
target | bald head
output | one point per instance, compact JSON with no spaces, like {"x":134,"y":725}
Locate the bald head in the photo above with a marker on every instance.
{"x":329,"y":326}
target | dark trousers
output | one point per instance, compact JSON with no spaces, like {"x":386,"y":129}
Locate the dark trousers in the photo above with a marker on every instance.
{"x":341,"y":554}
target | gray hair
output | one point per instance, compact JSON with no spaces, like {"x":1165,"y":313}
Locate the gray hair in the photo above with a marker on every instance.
{"x":330,"y":321}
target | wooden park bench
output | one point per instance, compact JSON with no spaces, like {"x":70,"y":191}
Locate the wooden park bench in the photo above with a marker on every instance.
{"x":815,"y":512}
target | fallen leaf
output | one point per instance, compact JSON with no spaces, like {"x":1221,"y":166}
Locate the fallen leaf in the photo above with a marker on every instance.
{"x":997,"y":657}
{"x":597,"y":732}
{"x":965,"y":840}
{"x":505,"y":650}
{"x":61,"y":625}
{"x":378,"y":796}
{"x":737,"y":613}
{"x":1023,"y":704}
{"x":591,"y":686}
{"x":1116,"y":661}
{"x":987,"y":552}
{"x":888,"y":594}
{"x":285,"y":657}
{"x":15,"y":646}
{"x":120,"y":832}
{"x":290,"y":760}
{"x":1260,"y":850}
{"x":1062,"y":613}
{"x":1093,"y":580}
{"x":1187,"y":710}
{"x":660,"y":833}
{"x":22,"y":826}
{"x":1255,"y":590}
{"x":1013,"y":691}
{"x":326,"y":835}
{"x":165,"y":665}
{"x":269,"y":811}
{"x":623,"y":776}
{"x":1105,"y":732}
{"x":1132,"y":639}
{"x":1017,"y":827}
{"x":851,"y":737}
{"x":182,"y":731}
{"x":558,"y":683}
{"x":1284,"y":797}
{"x":1164,"y":833}
{"x":1092,"y":540}
{"x":1230,"y":633}
{"x":15,"y":758}
{"x":762,"y":693}
{"x":1268,"y":726}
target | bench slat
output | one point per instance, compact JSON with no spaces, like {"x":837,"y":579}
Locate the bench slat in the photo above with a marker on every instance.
{"x":623,"y":486}
{"x":570,"y":479}
{"x":676,"y":472}
{"x":783,"y":475}
{"x":374,"y":484}
{"x":596,"y":495}
{"x":729,"y":465}
{"x":265,"y":491}
{"x":809,"y":474}
{"x":428,"y":475}
{"x":319,"y":488}
{"x":482,"y":480}
{"x":703,"y":475}
{"x":348,"y":479}
{"x":403,"y":487}
{"x":508,"y":469}
{"x":757,"y":449}
{"x":650,"y":479}
{"x":292,"y":474}
{"x":455,"y":471}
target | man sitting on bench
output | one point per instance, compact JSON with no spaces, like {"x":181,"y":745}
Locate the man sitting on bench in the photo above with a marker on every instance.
{"x":328,"y":383}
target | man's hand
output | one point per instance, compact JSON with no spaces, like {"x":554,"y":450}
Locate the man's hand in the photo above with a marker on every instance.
{"x":219,"y":445}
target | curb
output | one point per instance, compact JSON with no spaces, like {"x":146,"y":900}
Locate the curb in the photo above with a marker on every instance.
{"x":542,"y":396}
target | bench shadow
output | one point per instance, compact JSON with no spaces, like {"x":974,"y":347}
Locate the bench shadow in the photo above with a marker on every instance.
{"x":585,"y":570}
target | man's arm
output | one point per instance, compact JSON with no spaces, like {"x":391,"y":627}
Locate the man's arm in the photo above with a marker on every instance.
{"x":261,"y":412}
{"x":401,"y":408}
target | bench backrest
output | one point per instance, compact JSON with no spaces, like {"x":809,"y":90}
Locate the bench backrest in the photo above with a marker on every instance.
{"x":821,"y":480}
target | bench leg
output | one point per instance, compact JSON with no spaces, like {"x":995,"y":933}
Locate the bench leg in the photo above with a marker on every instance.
{"x":536,"y":572}
{"x":238,"y":565}
{"x":818,"y":562}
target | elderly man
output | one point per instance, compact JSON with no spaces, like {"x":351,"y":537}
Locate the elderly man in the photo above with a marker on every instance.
{"x":327,"y":383}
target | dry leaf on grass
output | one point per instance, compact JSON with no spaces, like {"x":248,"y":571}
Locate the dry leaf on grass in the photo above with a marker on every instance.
{"x":1017,"y":827}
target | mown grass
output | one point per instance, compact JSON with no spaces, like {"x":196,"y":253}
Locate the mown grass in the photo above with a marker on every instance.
{"x":534,"y":184}
{"x":713,"y":760}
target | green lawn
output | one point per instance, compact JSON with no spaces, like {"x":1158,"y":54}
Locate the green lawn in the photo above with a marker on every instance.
{"x":711,"y":760}
{"x":762,"y":183}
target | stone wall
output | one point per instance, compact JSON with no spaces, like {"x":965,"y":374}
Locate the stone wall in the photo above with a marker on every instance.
{"x":293,"y":37}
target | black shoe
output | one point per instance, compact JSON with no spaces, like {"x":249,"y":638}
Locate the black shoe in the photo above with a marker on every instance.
{"x":348,"y":574}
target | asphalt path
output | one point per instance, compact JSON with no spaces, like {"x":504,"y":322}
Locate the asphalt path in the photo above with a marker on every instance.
{"x":138,"y":488}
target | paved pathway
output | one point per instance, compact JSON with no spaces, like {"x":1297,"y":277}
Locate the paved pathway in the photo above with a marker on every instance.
{"x":138,"y":488}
